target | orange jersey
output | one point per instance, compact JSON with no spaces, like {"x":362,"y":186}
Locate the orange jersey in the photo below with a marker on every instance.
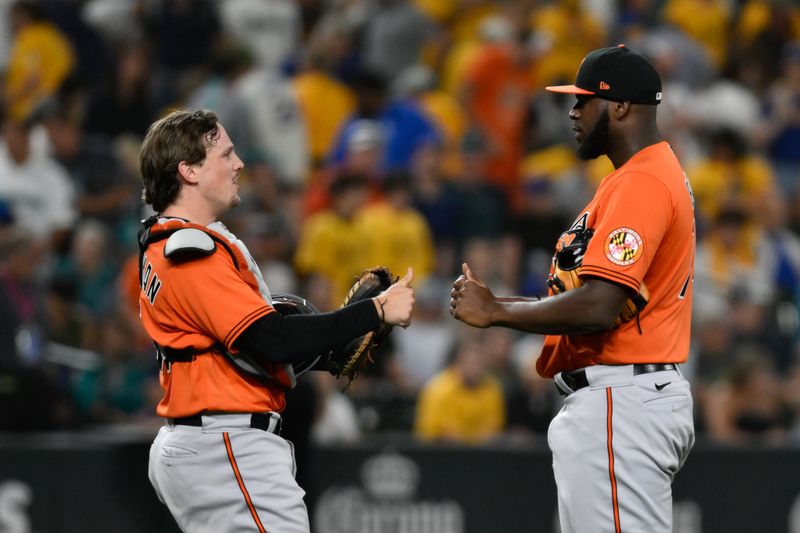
{"x":643,"y":220}
{"x":199,"y":304}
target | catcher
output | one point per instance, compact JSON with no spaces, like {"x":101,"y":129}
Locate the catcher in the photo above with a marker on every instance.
{"x":226,"y":356}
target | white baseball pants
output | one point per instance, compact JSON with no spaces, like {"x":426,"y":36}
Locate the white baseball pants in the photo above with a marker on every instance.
{"x":227,"y":477}
{"x":617,"y":445}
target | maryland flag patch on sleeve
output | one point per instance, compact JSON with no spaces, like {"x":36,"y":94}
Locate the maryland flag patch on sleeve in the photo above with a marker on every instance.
{"x":624,"y":246}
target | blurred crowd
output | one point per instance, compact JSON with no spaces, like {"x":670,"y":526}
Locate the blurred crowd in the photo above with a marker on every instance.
{"x":395,"y":132}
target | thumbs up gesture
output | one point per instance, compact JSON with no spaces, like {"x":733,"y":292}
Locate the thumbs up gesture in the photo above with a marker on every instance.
{"x":471,"y":301}
{"x":397,"y":302}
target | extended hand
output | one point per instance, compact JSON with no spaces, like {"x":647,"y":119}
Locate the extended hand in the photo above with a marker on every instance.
{"x":397,"y":302}
{"x":471,"y":301}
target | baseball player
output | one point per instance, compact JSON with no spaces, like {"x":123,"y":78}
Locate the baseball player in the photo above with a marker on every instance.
{"x":626,"y":425}
{"x":219,"y":463}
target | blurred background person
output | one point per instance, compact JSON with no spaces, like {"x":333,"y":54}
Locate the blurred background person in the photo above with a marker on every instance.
{"x":332,"y":245}
{"x":396,"y":233}
{"x":35,"y":187}
{"x":464,"y":402}
{"x":748,"y":406}
{"x":40,"y":59}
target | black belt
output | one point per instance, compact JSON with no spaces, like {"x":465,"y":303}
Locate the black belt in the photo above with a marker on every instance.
{"x":576,"y":379}
{"x":262,"y":421}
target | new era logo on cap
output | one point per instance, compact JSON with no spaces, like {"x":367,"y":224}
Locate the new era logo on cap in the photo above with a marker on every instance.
{"x":620,"y":73}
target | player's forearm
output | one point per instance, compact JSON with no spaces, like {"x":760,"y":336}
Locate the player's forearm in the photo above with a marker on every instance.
{"x":278,"y":338}
{"x":576,"y":312}
{"x":511,"y":299}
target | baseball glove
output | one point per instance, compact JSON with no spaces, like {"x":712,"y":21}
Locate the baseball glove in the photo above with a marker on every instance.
{"x":567,"y":268}
{"x":353,"y":357}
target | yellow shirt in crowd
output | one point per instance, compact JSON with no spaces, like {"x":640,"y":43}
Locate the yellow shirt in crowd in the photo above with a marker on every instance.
{"x":41,"y":57}
{"x":326,"y":104}
{"x":333,"y":247}
{"x":716,"y":183}
{"x":449,"y":410}
{"x":706,"y":21}
{"x":398,"y":239}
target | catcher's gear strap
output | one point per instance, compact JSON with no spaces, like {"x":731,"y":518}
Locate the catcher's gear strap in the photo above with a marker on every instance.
{"x":146,"y":237}
{"x":184,"y":355}
{"x":277,"y":338}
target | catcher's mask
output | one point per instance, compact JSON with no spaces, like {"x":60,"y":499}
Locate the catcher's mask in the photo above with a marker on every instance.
{"x":291,"y":304}
{"x":572,"y":247}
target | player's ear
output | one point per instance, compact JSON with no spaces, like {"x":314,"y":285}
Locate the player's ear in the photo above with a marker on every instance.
{"x":618,"y":110}
{"x":187,"y":172}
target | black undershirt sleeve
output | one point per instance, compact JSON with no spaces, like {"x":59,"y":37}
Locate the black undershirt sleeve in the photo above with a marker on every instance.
{"x":277,"y":338}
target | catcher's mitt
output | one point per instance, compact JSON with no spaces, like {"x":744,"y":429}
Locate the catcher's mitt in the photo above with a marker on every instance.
{"x":567,"y":268}
{"x":350,"y":359}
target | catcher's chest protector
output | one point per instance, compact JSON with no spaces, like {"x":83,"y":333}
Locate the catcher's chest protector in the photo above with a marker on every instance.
{"x":192,"y":242}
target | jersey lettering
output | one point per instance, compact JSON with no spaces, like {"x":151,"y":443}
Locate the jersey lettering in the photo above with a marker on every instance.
{"x":152,"y":289}
{"x":146,"y":271}
{"x":149,"y":286}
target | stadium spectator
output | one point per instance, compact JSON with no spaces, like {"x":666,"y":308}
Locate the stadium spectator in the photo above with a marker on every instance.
{"x":325,"y":102}
{"x":37,"y":188}
{"x":422,"y":352}
{"x":463,"y":403}
{"x":270,"y":29}
{"x":494,"y":94}
{"x":183,"y":33}
{"x":534,"y":402}
{"x":748,"y":407}
{"x":41,"y":59}
{"x":434,"y":196}
{"x":92,"y":266}
{"x":779,"y":131}
{"x":395,"y":36}
{"x":403,"y":124}
{"x":395,"y":233}
{"x":336,"y":420}
{"x":331,"y":244}
{"x":706,"y":21}
{"x":20,"y":307}
{"x":123,"y":103}
{"x":731,"y":263}
{"x":482,"y":207}
{"x":104,"y":190}
{"x":730,"y":175}
{"x":364,"y":154}
{"x":537,"y":226}
{"x":566,"y":33}
{"x":418,"y":84}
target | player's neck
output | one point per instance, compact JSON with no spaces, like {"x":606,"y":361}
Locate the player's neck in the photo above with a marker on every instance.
{"x":627,"y":146}
{"x":195,"y":215}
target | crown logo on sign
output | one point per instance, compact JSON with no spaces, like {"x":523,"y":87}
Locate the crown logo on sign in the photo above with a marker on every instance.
{"x":604,"y":86}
